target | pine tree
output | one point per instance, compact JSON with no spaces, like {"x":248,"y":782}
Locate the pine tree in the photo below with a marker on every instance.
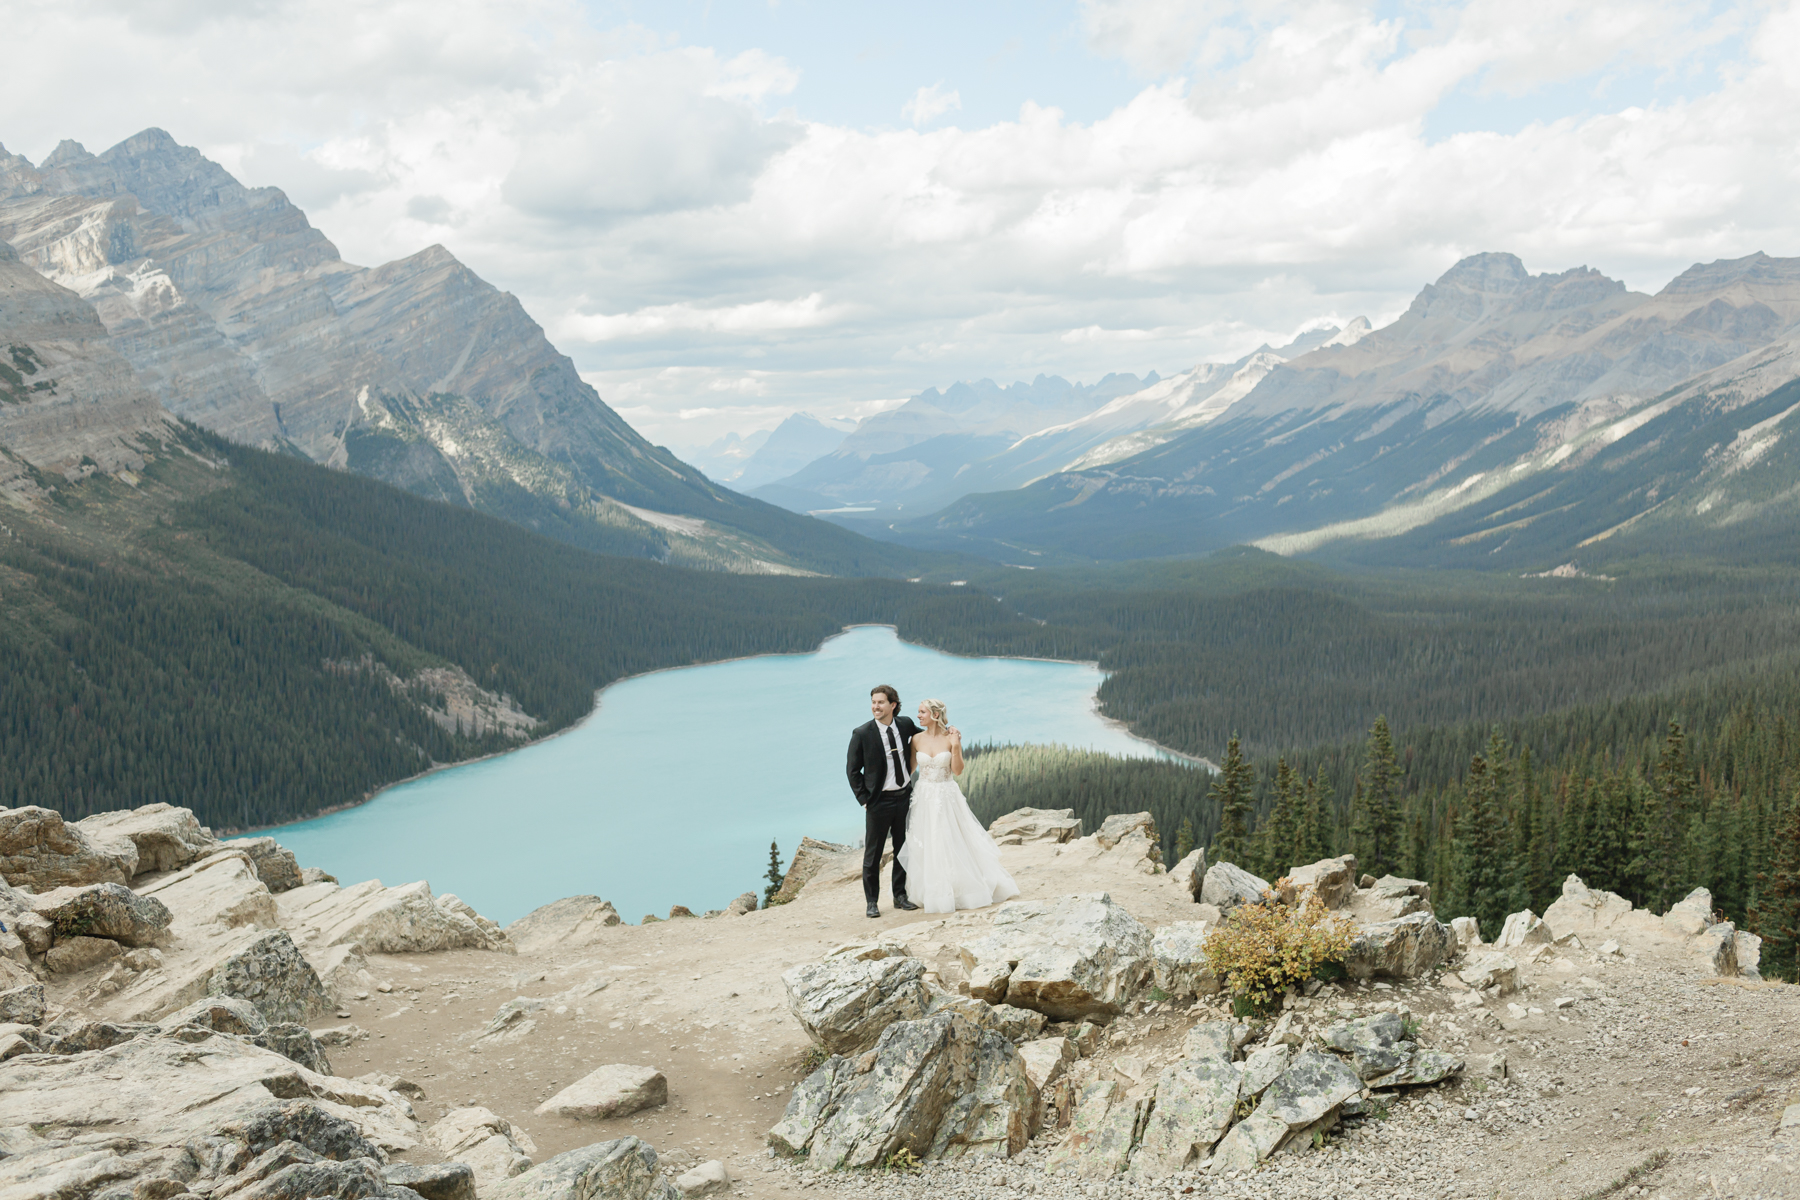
{"x":1281,"y":829}
{"x":1531,"y":844}
{"x":1481,"y":867}
{"x":1375,"y":815}
{"x":1232,"y":790}
{"x":1184,"y":839}
{"x":1776,"y":917}
{"x":775,"y":875}
{"x":1313,"y":841}
{"x":1664,"y":819}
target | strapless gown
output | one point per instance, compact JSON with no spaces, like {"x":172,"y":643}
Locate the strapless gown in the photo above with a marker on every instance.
{"x":950,"y":860}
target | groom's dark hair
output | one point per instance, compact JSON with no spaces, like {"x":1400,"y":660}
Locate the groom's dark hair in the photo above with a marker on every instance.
{"x":888,"y":691}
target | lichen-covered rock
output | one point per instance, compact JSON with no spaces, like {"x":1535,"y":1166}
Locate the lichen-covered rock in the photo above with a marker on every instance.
{"x":1190,"y":874}
{"x":845,"y":1003}
{"x":1402,"y":949}
{"x":1384,"y":1056}
{"x":492,"y":1146}
{"x":167,"y":838}
{"x":1332,"y":880}
{"x":296,"y":1044}
{"x":1036,"y":825}
{"x":1101,"y":1133}
{"x":1178,"y":952}
{"x":1523,"y":928}
{"x":273,"y":975}
{"x":108,"y":910}
{"x":1306,"y":1097}
{"x":1228,"y":885}
{"x":1215,"y":1039}
{"x":622,"y":1169}
{"x":1074,"y":957}
{"x":22,"y":1005}
{"x":274,"y":863}
{"x":1016,"y":1025}
{"x":1490,"y":970}
{"x":615,"y":1090}
{"x":1193,"y":1106}
{"x":1263,"y":1067}
{"x":940,"y":1087}
{"x":40,"y":851}
{"x":433,"y":1181}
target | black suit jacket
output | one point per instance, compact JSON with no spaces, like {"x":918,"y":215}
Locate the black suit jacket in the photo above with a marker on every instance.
{"x":868,"y":759}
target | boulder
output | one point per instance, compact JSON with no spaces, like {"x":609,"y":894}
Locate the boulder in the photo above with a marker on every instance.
{"x":569,"y":923}
{"x":1523,"y":929}
{"x":845,"y":1003}
{"x":1078,"y":956}
{"x":1016,"y":1025}
{"x":296,"y":1044}
{"x":1047,"y":1062}
{"x":23,"y":1005}
{"x":622,"y":1169}
{"x":271,"y":974}
{"x":108,"y":910}
{"x":343,"y":971}
{"x":223,"y":1014}
{"x":746,"y":903}
{"x":1036,"y":825}
{"x":1332,"y":880}
{"x":941,"y":1087}
{"x":1401,"y":949}
{"x":491,"y":1146}
{"x":274,"y":863}
{"x":71,"y":956}
{"x":38,"y":850}
{"x":1101,"y":1133}
{"x":433,"y":1181}
{"x":1264,"y":1066}
{"x":1580,"y":910}
{"x":1227,"y":885}
{"x":1717,"y":947}
{"x":381,"y":920}
{"x":1120,"y":826}
{"x":1490,"y":970}
{"x":1192,"y":1107}
{"x":1305,"y":1098}
{"x":222,"y":889}
{"x":1392,"y":897}
{"x":1468,"y":932}
{"x":1215,"y":1039}
{"x":811,"y":858}
{"x":34,"y":931}
{"x":495,"y":937}
{"x":1384,"y":1056}
{"x":1179,"y":958}
{"x":615,"y":1090}
{"x":1690,"y":915}
{"x":167,"y":838}
{"x":1749,"y":955}
{"x":704,"y":1180}
{"x":1190,"y":874}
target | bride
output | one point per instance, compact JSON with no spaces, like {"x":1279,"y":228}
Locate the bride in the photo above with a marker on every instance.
{"x":950,"y":860}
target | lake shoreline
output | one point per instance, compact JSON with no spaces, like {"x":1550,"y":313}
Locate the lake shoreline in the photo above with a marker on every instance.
{"x":599,"y":700}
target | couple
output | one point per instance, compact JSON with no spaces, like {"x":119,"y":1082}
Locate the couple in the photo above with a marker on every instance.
{"x":903,"y":774}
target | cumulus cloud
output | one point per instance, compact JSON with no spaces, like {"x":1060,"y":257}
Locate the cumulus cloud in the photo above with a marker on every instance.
{"x":677,"y":229}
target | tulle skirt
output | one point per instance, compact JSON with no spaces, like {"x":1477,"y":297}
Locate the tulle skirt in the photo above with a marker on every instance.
{"x":950,"y":860}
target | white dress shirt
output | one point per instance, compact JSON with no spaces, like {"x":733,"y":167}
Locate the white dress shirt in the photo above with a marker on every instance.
{"x":892,"y":752}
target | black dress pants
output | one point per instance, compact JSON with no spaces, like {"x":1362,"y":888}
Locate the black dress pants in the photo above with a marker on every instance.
{"x":884,"y":816}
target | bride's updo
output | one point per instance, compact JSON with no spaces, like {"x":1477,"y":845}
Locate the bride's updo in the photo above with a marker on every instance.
{"x":938,"y":711}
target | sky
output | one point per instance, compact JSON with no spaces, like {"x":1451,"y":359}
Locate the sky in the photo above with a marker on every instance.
{"x":729,"y":211}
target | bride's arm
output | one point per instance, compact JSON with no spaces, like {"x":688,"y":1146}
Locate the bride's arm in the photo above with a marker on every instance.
{"x":956,"y":758}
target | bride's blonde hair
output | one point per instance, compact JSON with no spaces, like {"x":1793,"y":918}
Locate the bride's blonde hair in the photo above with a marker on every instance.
{"x":938,"y":711}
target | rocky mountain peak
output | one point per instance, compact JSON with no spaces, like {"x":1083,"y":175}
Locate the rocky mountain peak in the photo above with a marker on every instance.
{"x":68,"y":152}
{"x":1755,"y":271}
{"x":1489,"y":271}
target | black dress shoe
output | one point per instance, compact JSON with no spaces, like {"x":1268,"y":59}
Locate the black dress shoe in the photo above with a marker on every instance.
{"x":903,"y":902}
{"x":874,"y":911}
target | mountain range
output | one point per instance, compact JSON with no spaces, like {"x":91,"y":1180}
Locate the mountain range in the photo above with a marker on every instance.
{"x":235,"y":313}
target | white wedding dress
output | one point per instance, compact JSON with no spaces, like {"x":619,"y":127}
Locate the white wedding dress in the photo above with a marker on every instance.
{"x":950,"y":860}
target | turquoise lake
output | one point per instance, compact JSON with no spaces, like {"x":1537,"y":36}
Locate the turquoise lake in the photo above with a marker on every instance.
{"x":671,"y":790}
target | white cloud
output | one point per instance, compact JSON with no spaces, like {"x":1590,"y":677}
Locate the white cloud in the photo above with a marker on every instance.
{"x":762,"y":316}
{"x":930,"y":103}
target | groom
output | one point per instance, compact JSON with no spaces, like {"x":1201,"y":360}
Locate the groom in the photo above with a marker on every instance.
{"x":879,"y":751}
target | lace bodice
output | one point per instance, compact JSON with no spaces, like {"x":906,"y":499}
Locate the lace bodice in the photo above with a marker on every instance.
{"x":934,"y":768}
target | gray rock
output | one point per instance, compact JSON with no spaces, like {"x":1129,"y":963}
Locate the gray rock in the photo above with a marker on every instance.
{"x":1306,"y":1096}
{"x":1078,"y":956}
{"x":615,"y":1090}
{"x":1263,"y":1067}
{"x":491,"y":1146}
{"x":745,"y":903}
{"x":1384,"y":1056}
{"x":1192,"y":1107}
{"x":1016,"y":1025}
{"x":1227,"y":885}
{"x":1581,"y":910}
{"x":306,"y":1123}
{"x":812,"y":857}
{"x":274,"y":863}
{"x":38,"y":850}
{"x":167,"y":838}
{"x":1690,"y":915}
{"x":35,"y":931}
{"x":941,"y":1087}
{"x":1490,"y":970}
{"x":381,"y":920}
{"x":434,"y":1181}
{"x":1468,"y":932}
{"x":1332,"y":880}
{"x":1523,"y":928}
{"x":1047,"y":1062}
{"x":1215,"y":1039}
{"x":108,"y":910}
{"x":310,"y":875}
{"x":1749,"y":956}
{"x":1190,"y":874}
{"x":23,"y":1005}
{"x":1119,"y":826}
{"x":273,"y":975}
{"x":1718,"y":949}
{"x":1180,"y":967}
{"x":295,"y":1043}
{"x":1402,"y":949}
{"x":353,"y":1180}
{"x":79,"y":1037}
{"x":845,"y":1003}
{"x":622,"y":1169}
{"x":1101,"y":1134}
{"x":78,"y":954}
{"x":226,"y":1014}
{"x":1036,"y":825}
{"x":704,"y":1180}
{"x":1392,"y":897}
{"x":571,"y":922}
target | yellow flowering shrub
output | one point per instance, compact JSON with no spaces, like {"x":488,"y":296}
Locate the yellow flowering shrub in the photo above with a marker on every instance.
{"x":1261,"y":949}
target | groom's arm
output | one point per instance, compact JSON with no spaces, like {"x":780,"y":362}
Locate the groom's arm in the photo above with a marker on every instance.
{"x":855,"y":769}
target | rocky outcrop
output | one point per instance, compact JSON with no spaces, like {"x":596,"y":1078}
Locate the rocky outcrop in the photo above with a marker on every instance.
{"x":572,"y":921}
{"x":1490,"y":970}
{"x":845,"y":1003}
{"x":167,"y":838}
{"x":1036,"y":825}
{"x":1194,"y":1104}
{"x":1384,"y":1055}
{"x":1016,"y":1025}
{"x":1390,"y":898}
{"x":1693,"y":914}
{"x":809,"y":859}
{"x":1178,"y":950}
{"x":1402,"y":949}
{"x":1332,"y":880}
{"x":1523,"y":928}
{"x":38,"y":850}
{"x":1227,"y":885}
{"x":1074,"y":957}
{"x":1102,"y":1131}
{"x":492,"y":1147}
{"x":271,"y":974}
{"x":616,"y":1090}
{"x":1190,"y":874}
{"x":380,"y":920}
{"x":221,"y":890}
{"x":623,"y":1169}
{"x":1305,"y":1099}
{"x":274,"y":863}
{"x":104,"y":910}
{"x":1581,"y":910}
{"x":940,"y":1087}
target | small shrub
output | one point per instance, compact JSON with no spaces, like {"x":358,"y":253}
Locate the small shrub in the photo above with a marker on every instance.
{"x":901,"y":1160}
{"x":1157,"y":995}
{"x":814,"y":1058}
{"x":1262,"y":949}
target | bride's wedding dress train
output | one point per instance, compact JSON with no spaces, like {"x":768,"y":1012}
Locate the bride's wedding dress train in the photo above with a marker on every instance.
{"x":950,"y":860}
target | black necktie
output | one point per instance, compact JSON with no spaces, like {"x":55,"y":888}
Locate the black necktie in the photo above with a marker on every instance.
{"x":893,"y":746}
